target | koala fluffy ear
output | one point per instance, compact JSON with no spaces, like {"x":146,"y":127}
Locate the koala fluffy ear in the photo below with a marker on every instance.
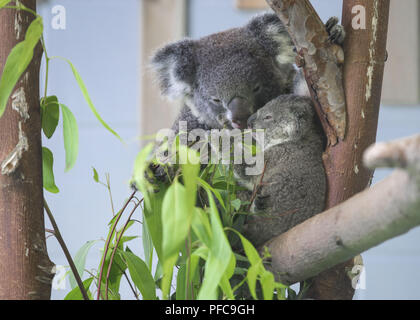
{"x":175,"y":67}
{"x":270,"y":33}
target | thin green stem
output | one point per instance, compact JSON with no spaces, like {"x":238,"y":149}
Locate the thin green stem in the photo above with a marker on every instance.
{"x":23,"y":8}
{"x":108,"y":186}
{"x":117,"y":242}
{"x":47,"y":64}
{"x":108,"y":242}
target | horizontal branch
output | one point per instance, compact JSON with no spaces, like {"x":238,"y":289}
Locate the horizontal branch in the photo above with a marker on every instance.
{"x":386,"y":210}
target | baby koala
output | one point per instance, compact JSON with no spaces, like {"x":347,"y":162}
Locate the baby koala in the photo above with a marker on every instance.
{"x":293,"y":187}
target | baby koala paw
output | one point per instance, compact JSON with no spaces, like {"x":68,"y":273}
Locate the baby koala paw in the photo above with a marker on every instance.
{"x":335,"y":31}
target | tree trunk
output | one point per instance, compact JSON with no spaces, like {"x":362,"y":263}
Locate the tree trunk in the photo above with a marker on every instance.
{"x":25,"y":269}
{"x":365,"y":54}
{"x":349,"y":133}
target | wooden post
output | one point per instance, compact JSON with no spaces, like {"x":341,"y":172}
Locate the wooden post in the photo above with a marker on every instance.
{"x":162,"y":21}
{"x":25,"y":269}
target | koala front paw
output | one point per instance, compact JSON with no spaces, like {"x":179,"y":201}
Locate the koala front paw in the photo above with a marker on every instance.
{"x":162,"y":173}
{"x":335,"y":31}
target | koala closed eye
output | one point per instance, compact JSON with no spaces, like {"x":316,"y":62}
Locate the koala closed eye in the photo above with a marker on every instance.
{"x":216,"y":101}
{"x":257,"y":89}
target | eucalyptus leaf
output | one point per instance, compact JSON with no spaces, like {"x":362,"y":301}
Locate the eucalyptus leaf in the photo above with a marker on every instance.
{"x":140,"y":275}
{"x":268,"y":285}
{"x":75,"y":294}
{"x":50,"y":114}
{"x":71,"y":137}
{"x":4,"y":3}
{"x":147,"y":244}
{"x":47,"y":171}
{"x":80,"y":261}
{"x":95,"y":175}
{"x":86,"y":95}
{"x":177,"y":224}
{"x":219,"y":256}
{"x":236,"y":204}
{"x":18,"y":60}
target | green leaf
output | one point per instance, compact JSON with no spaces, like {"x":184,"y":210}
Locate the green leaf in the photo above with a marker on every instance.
{"x":252,"y":276}
{"x":18,"y":60}
{"x":190,"y":170}
{"x":208,"y":188}
{"x":257,"y":271}
{"x":140,"y":275}
{"x":147,"y":244}
{"x":177,"y":217}
{"x":153,"y":214}
{"x":224,"y":283}
{"x":80,"y":261}
{"x":71,"y":137}
{"x":75,"y":294}
{"x":236,"y":204}
{"x":95,"y":175}
{"x":86,"y":95}
{"x":267,"y":284}
{"x":219,"y":256}
{"x":4,"y":3}
{"x":201,"y":226}
{"x":139,"y":174}
{"x":181,"y":283}
{"x":50,"y":114}
{"x":47,"y":171}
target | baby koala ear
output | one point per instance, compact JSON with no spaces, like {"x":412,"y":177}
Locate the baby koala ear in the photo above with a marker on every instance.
{"x":270,"y":33}
{"x":175,"y":67}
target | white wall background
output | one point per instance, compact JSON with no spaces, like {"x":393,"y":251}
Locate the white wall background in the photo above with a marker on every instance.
{"x":102,"y":40}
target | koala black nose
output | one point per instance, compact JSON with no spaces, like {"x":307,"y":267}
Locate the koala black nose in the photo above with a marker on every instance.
{"x":240,"y":110}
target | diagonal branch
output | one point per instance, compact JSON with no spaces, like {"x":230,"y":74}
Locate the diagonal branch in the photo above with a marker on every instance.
{"x":388,"y":209}
{"x":320,"y":60}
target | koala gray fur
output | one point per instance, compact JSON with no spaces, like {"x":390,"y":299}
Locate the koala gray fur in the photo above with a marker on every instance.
{"x":294,"y":184}
{"x":225,"y":77}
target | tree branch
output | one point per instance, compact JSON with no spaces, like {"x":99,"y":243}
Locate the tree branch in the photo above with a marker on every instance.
{"x":364,"y":51}
{"x":66,"y":251}
{"x":388,"y":209}
{"x":320,"y":60}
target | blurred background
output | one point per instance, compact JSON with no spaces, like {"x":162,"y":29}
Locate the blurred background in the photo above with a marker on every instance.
{"x":110,"y":43}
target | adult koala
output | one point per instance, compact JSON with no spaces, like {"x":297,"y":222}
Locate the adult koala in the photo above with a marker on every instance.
{"x":227,"y":76}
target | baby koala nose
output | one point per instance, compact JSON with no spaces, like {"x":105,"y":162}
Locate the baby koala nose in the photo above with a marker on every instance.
{"x":251,"y":120}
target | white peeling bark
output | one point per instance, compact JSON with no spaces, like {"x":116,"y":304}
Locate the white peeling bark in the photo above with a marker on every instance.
{"x":388,"y":209}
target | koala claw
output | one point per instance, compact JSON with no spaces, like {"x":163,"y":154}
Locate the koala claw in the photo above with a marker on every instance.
{"x":335,"y":31}
{"x":331,"y":23}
